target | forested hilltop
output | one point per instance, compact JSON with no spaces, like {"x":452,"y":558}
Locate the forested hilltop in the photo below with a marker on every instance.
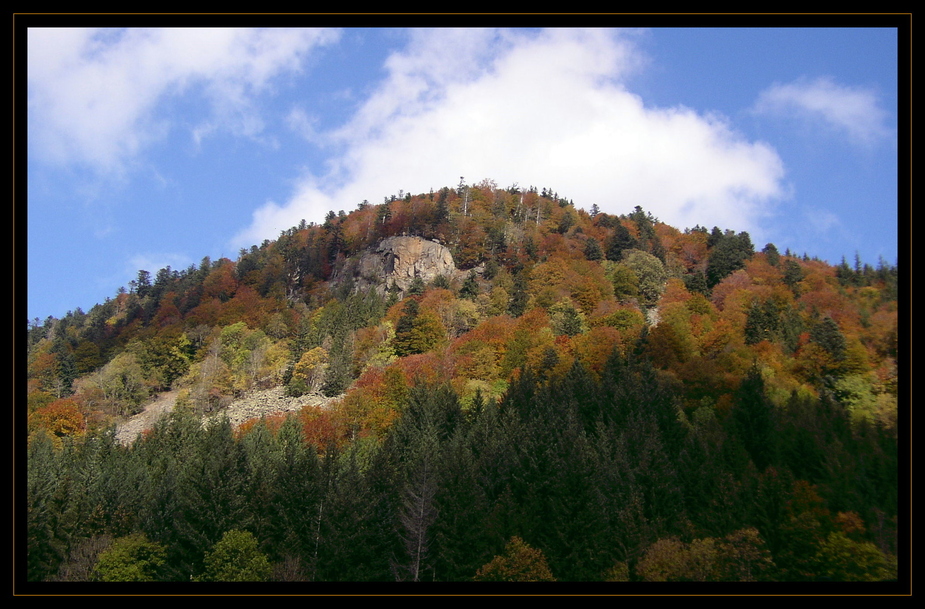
{"x":585,"y":397}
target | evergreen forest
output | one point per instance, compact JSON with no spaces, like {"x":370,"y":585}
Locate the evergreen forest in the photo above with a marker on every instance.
{"x":593,"y":397}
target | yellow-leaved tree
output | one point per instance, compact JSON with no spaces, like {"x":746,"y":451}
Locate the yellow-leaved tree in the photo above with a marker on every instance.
{"x":519,"y":563}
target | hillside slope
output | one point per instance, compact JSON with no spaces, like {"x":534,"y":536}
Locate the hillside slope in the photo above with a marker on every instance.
{"x":631,"y":399}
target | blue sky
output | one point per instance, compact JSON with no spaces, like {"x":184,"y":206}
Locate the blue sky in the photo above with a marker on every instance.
{"x":157,"y":147}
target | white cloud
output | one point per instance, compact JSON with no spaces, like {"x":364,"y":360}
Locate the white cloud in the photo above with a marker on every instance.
{"x":306,"y":125}
{"x":93,"y":93}
{"x":854,"y":111}
{"x":547,"y":109}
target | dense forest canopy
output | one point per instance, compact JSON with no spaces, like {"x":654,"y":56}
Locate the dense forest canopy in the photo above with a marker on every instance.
{"x":593,"y":397}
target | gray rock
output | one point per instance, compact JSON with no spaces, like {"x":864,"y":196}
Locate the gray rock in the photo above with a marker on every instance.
{"x":398,"y":260}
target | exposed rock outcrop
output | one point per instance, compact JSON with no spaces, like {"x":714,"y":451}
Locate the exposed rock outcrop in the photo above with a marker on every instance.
{"x":398,"y":260}
{"x":256,"y":404}
{"x":252,"y":405}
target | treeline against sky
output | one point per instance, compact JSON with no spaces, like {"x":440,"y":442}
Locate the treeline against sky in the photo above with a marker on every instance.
{"x":601,"y":398}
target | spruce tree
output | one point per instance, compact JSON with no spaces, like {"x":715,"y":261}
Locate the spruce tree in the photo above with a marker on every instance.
{"x":620,"y":241}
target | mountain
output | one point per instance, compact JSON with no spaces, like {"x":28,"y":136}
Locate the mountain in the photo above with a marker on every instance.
{"x":634,"y":400}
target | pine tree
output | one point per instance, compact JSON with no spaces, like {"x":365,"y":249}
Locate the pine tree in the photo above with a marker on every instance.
{"x":827,"y":335}
{"x":754,"y":421}
{"x":620,"y":241}
{"x":771,"y":254}
{"x":793,"y":275}
{"x":762,"y":322}
{"x":728,"y":254}
{"x":418,"y":509}
{"x":470,"y":287}
{"x":593,"y":249}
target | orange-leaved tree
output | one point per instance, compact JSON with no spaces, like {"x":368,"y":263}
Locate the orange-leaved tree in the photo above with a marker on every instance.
{"x":60,"y":418}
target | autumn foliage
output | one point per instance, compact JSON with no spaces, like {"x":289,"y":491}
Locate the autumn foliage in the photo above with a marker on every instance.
{"x":640,"y":402}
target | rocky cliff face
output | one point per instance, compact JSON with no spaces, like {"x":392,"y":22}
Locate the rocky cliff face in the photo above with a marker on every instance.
{"x":398,"y":260}
{"x":252,"y":405}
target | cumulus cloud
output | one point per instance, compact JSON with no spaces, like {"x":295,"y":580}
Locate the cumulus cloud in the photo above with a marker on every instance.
{"x":547,"y":108}
{"x":93,"y":93}
{"x":853,"y":111}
